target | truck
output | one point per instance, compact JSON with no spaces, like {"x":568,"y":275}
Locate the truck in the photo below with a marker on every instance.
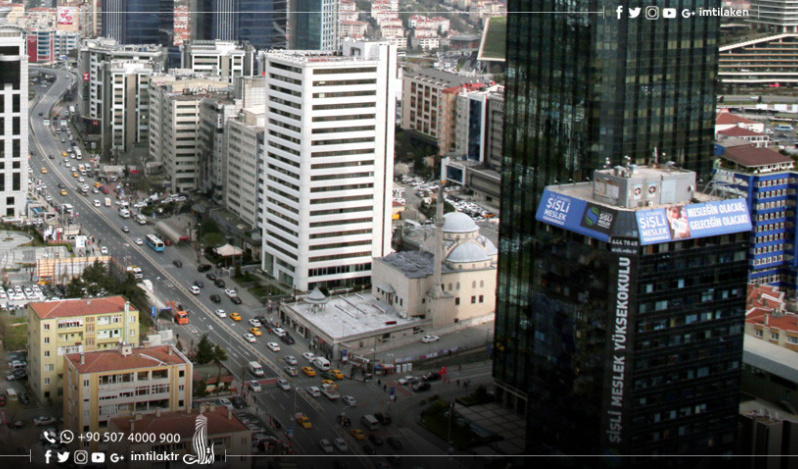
{"x":169,"y":234}
{"x":329,"y":391}
{"x":180,"y":315}
{"x":71,"y":110}
{"x":136,"y":270}
{"x":107,"y":201}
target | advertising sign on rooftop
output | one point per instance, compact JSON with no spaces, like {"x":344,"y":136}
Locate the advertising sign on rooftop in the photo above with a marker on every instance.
{"x":576,"y":215}
{"x":693,"y":221}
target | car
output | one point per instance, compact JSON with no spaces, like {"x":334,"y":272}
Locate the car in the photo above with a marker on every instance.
{"x":97,"y":203}
{"x":52,"y":157}
{"x":210,"y":276}
{"x":44,"y":170}
{"x":220,"y":313}
{"x":309,"y":356}
{"x":219,"y":283}
{"x":420,"y":387}
{"x":234,"y":316}
{"x":216,"y":298}
{"x":229,"y":292}
{"x":343,"y":420}
{"x":95,"y":190}
{"x":63,"y":192}
{"x":287,"y":339}
{"x":140,"y":205}
{"x":273,"y":346}
{"x":76,"y":174}
{"x":428,"y":339}
{"x":255,"y":386}
{"x":394,"y":443}
{"x":314,"y":391}
{"x":81,"y":179}
{"x":204,"y":267}
{"x":104,"y":250}
{"x":194,"y":290}
{"x":23,"y":398}
{"x":250,"y":338}
{"x":408,"y":380}
{"x":326,"y":446}
{"x":43,"y":420}
{"x":308,"y":371}
{"x":97,"y":185}
{"x":291,"y":370}
{"x":177,"y":263}
{"x":376,"y":439}
{"x":2,"y":401}
{"x":330,"y":383}
{"x":357,"y":434}
{"x":199,"y":284}
{"x":63,"y":153}
{"x":10,"y":376}
{"x":255,"y":323}
{"x":384,"y":419}
{"x":349,"y":400}
{"x":283,"y":384}
{"x":337,"y":374}
{"x":236,"y":300}
{"x":431,"y":376}
{"x":290,"y":359}
{"x":303,"y":421}
{"x":125,"y":229}
{"x":238,"y":402}
{"x":139,"y":241}
{"x":279,"y":332}
{"x":369,"y":450}
{"x":340,"y":445}
{"x":256,"y":331}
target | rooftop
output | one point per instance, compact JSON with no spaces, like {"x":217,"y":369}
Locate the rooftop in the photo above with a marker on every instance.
{"x":113,"y":360}
{"x":79,"y":307}
{"x":413,"y":264}
{"x":450,"y":79}
{"x":220,"y":422}
{"x":765,"y":317}
{"x":769,"y":357}
{"x":493,"y":46}
{"x":725,"y":117}
{"x":750,"y":156}
{"x":740,"y":132}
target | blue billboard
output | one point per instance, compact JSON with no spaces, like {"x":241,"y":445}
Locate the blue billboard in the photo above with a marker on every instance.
{"x":693,"y":221}
{"x":576,"y":215}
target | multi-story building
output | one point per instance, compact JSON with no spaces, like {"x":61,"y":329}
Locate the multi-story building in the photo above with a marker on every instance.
{"x":328,"y":164}
{"x":262,"y":23}
{"x":353,"y":29}
{"x":46,"y":45}
{"x":313,"y":25}
{"x":175,"y":125}
{"x":423,"y":97}
{"x":113,"y":93}
{"x":13,"y":119}
{"x":220,"y":60}
{"x":245,"y":147}
{"x":347,"y":10}
{"x":760,"y":62}
{"x":58,"y":328}
{"x":212,"y":144}
{"x":767,"y":319}
{"x":639,"y":316}
{"x":104,"y":384}
{"x":563,"y":120}
{"x":139,"y":21}
{"x":773,"y":15}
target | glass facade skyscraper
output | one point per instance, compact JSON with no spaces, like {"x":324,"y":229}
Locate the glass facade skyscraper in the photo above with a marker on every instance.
{"x":261,"y":22}
{"x":587,"y":86}
{"x":139,"y":21}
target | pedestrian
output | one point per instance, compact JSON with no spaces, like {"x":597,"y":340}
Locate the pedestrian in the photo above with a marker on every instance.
{"x":385,"y":388}
{"x":378,"y":381}
{"x":458,"y":383}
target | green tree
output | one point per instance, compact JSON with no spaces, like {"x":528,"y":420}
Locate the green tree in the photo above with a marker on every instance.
{"x":74,"y":288}
{"x":205,"y":351}
{"x":219,"y":356}
{"x":210,"y":226}
{"x":212,"y":239}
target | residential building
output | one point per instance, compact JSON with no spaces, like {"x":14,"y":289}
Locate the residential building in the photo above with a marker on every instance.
{"x":766,"y":433}
{"x":313,"y":25}
{"x":759,"y":62}
{"x":138,"y":21}
{"x":102,"y":385}
{"x":227,"y":434}
{"x":774,"y":326}
{"x":245,"y":153}
{"x":738,"y":133}
{"x":212,"y":144}
{"x":14,"y":119}
{"x":769,"y":374}
{"x":774,"y":15}
{"x":347,"y":11}
{"x":328,"y":164}
{"x":262,"y":23}
{"x":725,"y":120}
{"x":647,"y":342}
{"x":113,"y":94}
{"x":58,"y":328}
{"x":563,"y":120}
{"x":353,"y":29}
{"x":219,"y":60}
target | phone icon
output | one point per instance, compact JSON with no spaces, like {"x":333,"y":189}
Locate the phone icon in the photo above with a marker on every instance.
{"x":49,"y":436}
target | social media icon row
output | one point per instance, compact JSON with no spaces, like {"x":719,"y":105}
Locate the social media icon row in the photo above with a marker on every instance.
{"x":78,"y":457}
{"x":649,"y":13}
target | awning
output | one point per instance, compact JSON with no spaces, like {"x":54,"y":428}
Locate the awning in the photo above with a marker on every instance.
{"x":386,"y":288}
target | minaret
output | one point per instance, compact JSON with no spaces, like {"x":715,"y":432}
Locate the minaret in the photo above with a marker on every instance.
{"x":437,"y":278}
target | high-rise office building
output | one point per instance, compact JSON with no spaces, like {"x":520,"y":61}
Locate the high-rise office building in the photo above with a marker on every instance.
{"x":314,"y":25}
{"x":584,"y":89}
{"x":139,"y":21}
{"x":13,"y":118}
{"x":775,"y":15}
{"x":261,"y":22}
{"x":328,"y":167}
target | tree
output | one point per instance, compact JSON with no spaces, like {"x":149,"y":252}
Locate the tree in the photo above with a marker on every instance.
{"x":219,"y":356}
{"x":74,"y":288}
{"x":205,"y":351}
{"x":212,"y":239}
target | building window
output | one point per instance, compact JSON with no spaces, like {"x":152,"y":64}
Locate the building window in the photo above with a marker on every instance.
{"x":759,"y":333}
{"x":473,"y":300}
{"x":46,"y":340}
{"x":46,"y":353}
{"x":792,"y":340}
{"x":46,"y":380}
{"x":457,"y":301}
{"x":774,"y":336}
{"x":46,"y":326}
{"x":481,"y":298}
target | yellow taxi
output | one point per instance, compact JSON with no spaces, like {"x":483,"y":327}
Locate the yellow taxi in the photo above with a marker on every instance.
{"x":235,"y":316}
{"x":337,"y":374}
{"x":329,"y":382}
{"x":63,"y":192}
{"x":303,"y":421}
{"x":97,"y":185}
{"x":255,"y":331}
{"x":358,"y":434}
{"x":308,"y":371}
{"x":63,"y":153}
{"x":75,"y":174}
{"x":44,"y":170}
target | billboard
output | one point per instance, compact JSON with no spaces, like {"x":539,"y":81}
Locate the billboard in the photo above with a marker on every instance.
{"x":576,"y":215}
{"x":693,"y":221}
{"x":67,"y":15}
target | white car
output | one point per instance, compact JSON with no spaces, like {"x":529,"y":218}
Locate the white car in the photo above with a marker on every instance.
{"x":255,"y":386}
{"x":219,"y":312}
{"x":254,"y":323}
{"x":95,"y":190}
{"x":428,"y":339}
{"x":349,"y":400}
{"x":140,"y":205}
{"x":139,"y":241}
{"x":308,"y":356}
{"x":290,"y":359}
{"x":273,"y":346}
{"x":103,"y":250}
{"x":81,"y":179}
{"x":340,"y":445}
{"x":194,"y":290}
{"x":283,"y":384}
{"x":279,"y":332}
{"x":250,"y":338}
{"x":314,"y":391}
{"x":326,"y":446}
{"x":230,"y":293}
{"x":97,"y":203}
{"x":409,"y":379}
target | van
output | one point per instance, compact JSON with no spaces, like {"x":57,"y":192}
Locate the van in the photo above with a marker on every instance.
{"x":783,"y":127}
{"x":321,"y":363}
{"x":124,"y":213}
{"x":255,"y":369}
{"x":370,"y":422}
{"x":12,"y":394}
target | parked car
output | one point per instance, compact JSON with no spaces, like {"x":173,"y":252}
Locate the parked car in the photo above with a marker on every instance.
{"x":43,"y":420}
{"x":428,"y":339}
{"x":204,"y":267}
{"x":431,"y":376}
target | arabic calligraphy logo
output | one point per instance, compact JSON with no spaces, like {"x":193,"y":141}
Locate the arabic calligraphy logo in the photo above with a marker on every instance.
{"x":200,"y":443}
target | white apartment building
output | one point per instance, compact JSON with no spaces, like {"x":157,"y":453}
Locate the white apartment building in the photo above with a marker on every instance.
{"x":112,"y":91}
{"x":328,"y":163}
{"x":245,"y":147}
{"x":221,"y":60}
{"x":13,"y":118}
{"x":174,"y":127}
{"x":775,"y":15}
